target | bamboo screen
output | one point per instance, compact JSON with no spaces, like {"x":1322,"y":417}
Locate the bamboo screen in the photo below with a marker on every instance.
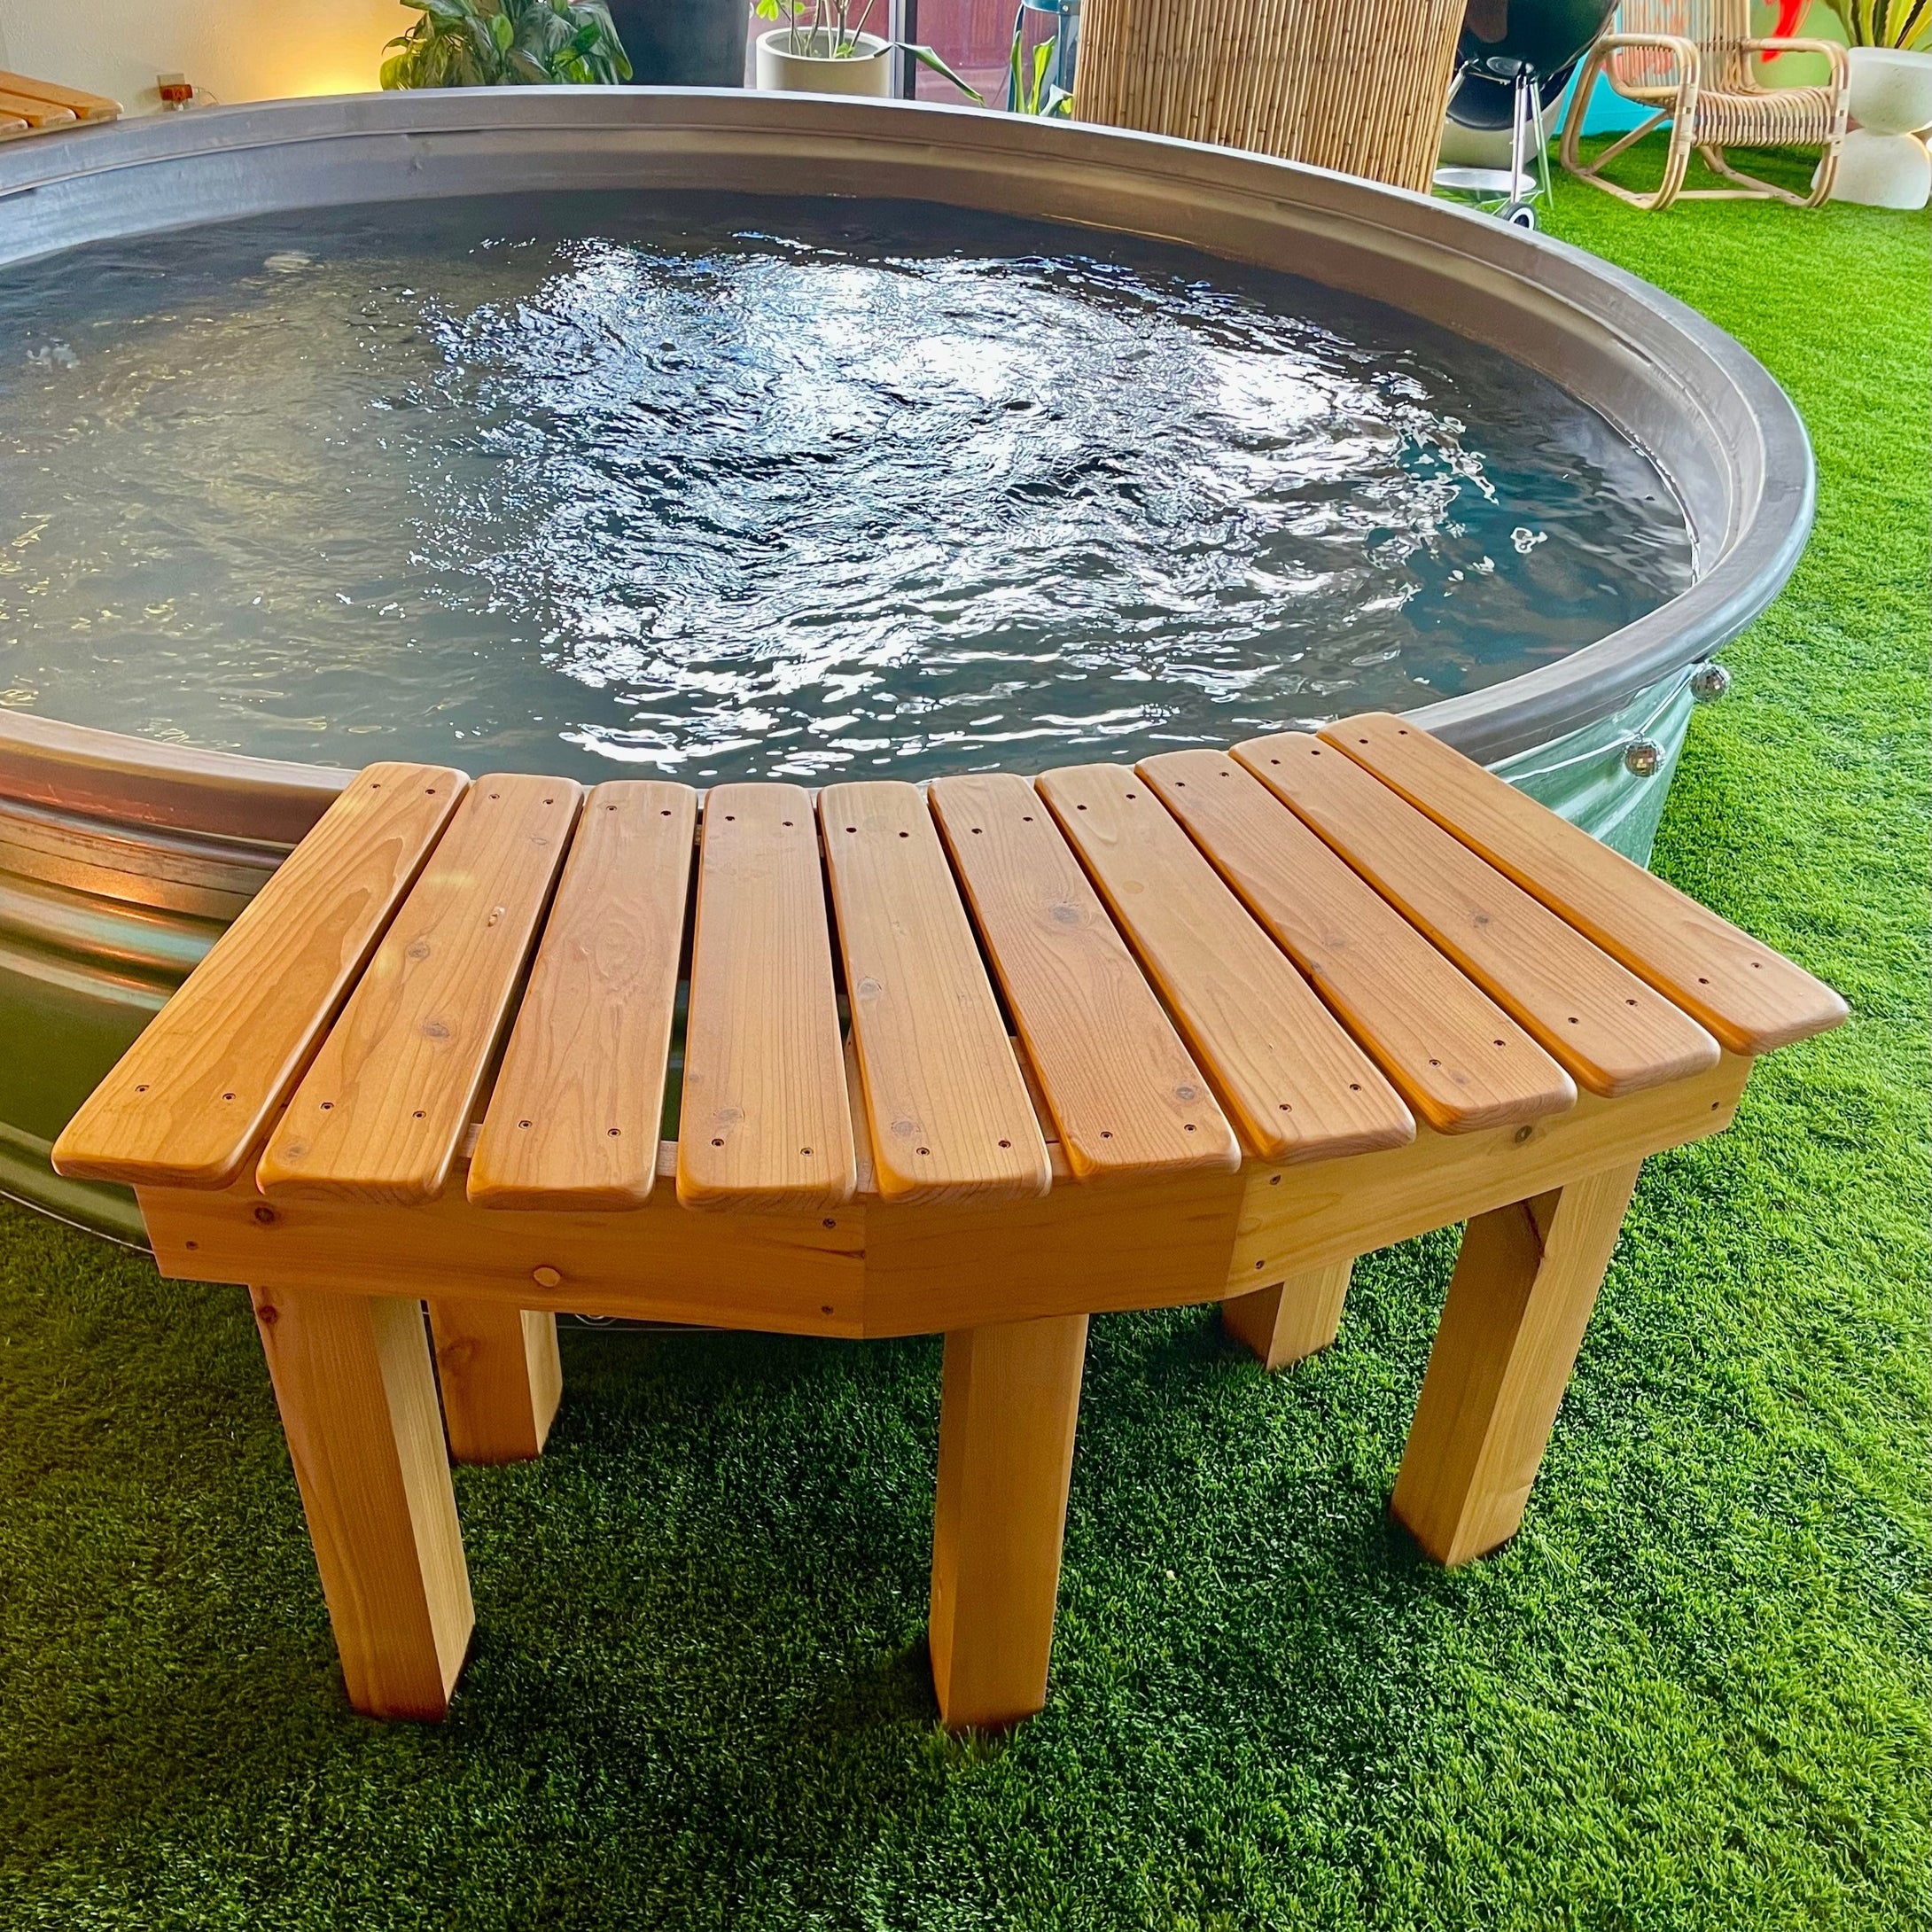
{"x":1360,"y":87}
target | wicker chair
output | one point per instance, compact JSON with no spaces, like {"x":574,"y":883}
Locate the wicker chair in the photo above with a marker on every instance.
{"x":1691,"y":61}
{"x":1361,"y":88}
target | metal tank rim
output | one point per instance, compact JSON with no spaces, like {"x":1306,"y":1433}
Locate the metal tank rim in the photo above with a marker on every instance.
{"x":1726,"y":436}
{"x":121,"y":859}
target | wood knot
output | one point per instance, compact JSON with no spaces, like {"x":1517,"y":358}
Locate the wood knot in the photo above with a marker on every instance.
{"x":265,"y":1214}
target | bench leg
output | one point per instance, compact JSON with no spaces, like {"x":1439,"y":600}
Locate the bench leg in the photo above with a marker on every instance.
{"x":1293,"y":1319}
{"x":500,"y":1378}
{"x":1010,"y":1398}
{"x":358,"y":1399}
{"x":1518,"y":1303}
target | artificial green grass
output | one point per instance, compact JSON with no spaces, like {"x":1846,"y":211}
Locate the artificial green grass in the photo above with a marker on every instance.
{"x":1692,"y":1693}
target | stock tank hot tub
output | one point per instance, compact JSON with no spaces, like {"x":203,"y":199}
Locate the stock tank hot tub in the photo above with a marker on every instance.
{"x":719,"y":436}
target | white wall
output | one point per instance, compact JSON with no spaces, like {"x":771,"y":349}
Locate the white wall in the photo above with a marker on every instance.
{"x":237,"y":50}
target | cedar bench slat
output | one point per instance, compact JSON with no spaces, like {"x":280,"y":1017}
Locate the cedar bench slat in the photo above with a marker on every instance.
{"x":1126,"y":1098}
{"x":1297,"y":1087}
{"x":948,"y":1113}
{"x":1752,"y":998}
{"x":574,"y":1117}
{"x":37,"y":112}
{"x":1455,"y":1056}
{"x":1613,"y":1033}
{"x":188,"y":1105}
{"x":766,"y":1120}
{"x":85,"y":106}
{"x":381,"y":1112}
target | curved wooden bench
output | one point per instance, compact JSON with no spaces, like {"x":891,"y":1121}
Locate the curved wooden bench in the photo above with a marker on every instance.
{"x":984,"y":1060}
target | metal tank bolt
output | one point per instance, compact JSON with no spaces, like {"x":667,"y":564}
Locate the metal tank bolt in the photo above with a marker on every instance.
{"x":1642,"y":756}
{"x":1709,"y":681}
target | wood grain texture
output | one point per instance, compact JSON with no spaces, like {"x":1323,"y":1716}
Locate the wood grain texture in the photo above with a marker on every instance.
{"x":785,"y":1273}
{"x":1294,"y":1219}
{"x":574,"y":1115}
{"x":1009,"y":1401}
{"x":85,"y":106}
{"x":1293,"y":1320}
{"x":36,"y":113}
{"x":1611,"y":1032}
{"x":948,"y":1113}
{"x":353,"y":1380}
{"x":380,"y":1114}
{"x":765,"y":1120}
{"x":189,"y":1104}
{"x":499,"y":1375}
{"x":1519,"y":1302}
{"x":1296,"y":1086}
{"x":1125,"y":1099}
{"x":868,"y":1269}
{"x":1750,"y":998}
{"x":1453,"y":1054}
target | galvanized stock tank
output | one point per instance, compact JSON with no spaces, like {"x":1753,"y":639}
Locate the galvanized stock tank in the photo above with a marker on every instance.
{"x":120,"y":859}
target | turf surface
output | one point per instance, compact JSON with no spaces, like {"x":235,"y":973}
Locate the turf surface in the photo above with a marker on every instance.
{"x":1692,"y":1692}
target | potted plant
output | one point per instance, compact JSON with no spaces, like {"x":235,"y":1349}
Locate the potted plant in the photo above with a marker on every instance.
{"x":822,"y":50}
{"x":506,"y":44}
{"x":1887,"y":45}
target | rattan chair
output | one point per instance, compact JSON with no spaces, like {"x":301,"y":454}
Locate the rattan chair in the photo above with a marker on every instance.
{"x":1361,"y":88}
{"x":1691,"y":61}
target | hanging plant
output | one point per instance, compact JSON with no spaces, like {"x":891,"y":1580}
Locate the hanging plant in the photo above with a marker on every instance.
{"x":507,"y":43}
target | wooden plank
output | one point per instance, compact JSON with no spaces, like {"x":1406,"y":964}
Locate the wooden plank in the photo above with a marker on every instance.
{"x":1297,"y":1085}
{"x":948,"y":1113}
{"x":1125,"y":1099}
{"x":353,"y":1380}
{"x":766,"y":1118}
{"x":85,"y":106}
{"x":381,"y":1113}
{"x":574,"y":1116}
{"x":1455,"y":1056}
{"x":1751,"y":998}
{"x":868,"y":1269}
{"x":38,"y":114}
{"x":786,"y":1273}
{"x":1518,"y":1305}
{"x":1009,"y":1400}
{"x":499,"y":1375}
{"x":1293,"y":1320}
{"x":1296,"y":1218}
{"x":1611,"y":1032}
{"x":190,"y":1101}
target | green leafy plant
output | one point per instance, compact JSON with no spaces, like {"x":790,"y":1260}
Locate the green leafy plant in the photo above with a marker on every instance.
{"x":1027,"y":92}
{"x":507,"y":43}
{"x":825,"y":30}
{"x":1885,"y":23}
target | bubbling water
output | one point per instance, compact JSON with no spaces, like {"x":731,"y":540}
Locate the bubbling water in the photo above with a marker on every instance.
{"x":722,"y":488}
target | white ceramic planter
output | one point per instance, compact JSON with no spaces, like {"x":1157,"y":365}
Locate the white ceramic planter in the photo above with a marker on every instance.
{"x":1883,"y":171}
{"x":1891,"y":90}
{"x":783,"y":71}
{"x":1884,"y":164}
